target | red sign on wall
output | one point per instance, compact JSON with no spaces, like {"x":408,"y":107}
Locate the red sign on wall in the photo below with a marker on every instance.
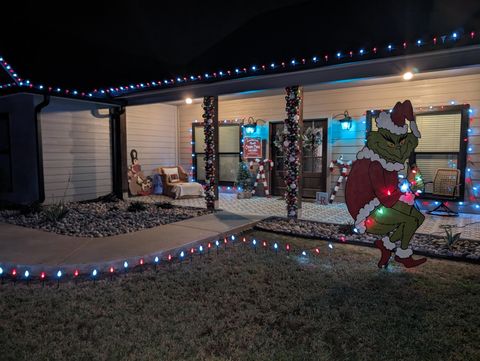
{"x":252,"y":147}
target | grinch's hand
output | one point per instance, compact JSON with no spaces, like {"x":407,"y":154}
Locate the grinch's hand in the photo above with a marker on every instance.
{"x":417,"y":186}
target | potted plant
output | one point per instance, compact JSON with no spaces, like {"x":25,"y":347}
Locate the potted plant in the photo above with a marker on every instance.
{"x":244,"y":181}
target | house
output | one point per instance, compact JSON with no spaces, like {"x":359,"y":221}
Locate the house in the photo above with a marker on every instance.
{"x":73,"y":145}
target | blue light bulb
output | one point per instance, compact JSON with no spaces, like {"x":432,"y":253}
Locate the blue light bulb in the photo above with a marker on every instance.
{"x":1,"y":271}
{"x":272,"y":65}
{"x":254,"y":242}
{"x":156,"y":260}
{"x":330,"y":246}
{"x":200,"y":248}
{"x":182,"y":254}
{"x":217,"y":243}
{"x":59,"y":274}
{"x":27,"y":274}
{"x":94,"y":273}
{"x":232,"y":237}
{"x":304,"y":253}
{"x":275,"y":246}
{"x":125,"y":264}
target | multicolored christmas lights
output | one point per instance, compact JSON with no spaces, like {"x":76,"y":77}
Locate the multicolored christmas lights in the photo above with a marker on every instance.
{"x":390,"y":49}
{"x":109,"y":271}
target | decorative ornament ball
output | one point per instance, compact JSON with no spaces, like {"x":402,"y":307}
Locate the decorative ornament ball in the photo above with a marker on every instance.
{"x":293,"y":186}
{"x":286,"y":143}
{"x":296,"y":118}
{"x":291,"y":159}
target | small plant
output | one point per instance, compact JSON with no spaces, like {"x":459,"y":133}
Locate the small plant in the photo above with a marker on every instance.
{"x":32,"y":208}
{"x":55,"y":212}
{"x":449,"y":237}
{"x":346,"y":229}
{"x":136,"y":207}
{"x":164,"y":205}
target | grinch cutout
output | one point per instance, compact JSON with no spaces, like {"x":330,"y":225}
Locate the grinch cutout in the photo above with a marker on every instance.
{"x":138,"y":184}
{"x":372,"y":193}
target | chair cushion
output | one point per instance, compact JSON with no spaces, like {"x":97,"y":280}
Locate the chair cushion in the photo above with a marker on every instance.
{"x":173,"y":178}
{"x":170,"y":170}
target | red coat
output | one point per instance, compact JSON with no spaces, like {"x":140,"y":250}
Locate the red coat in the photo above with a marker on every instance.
{"x":372,"y":181}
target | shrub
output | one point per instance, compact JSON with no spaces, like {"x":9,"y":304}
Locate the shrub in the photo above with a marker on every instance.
{"x":346,"y":229}
{"x":32,"y":208}
{"x":164,"y":205}
{"x":449,"y":237}
{"x":55,"y":212}
{"x":136,"y":206}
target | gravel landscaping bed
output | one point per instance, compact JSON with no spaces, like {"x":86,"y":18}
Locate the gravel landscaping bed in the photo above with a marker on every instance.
{"x":430,"y":245}
{"x":101,"y":219}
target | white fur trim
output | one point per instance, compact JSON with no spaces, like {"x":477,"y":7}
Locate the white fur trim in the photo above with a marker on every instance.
{"x":388,"y":244}
{"x":408,"y":198}
{"x":414,"y":128}
{"x":367,"y":153}
{"x":385,"y":121}
{"x":363,"y":213}
{"x":403,"y":253}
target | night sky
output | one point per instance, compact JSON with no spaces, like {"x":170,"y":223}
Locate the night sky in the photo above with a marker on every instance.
{"x":108,"y":43}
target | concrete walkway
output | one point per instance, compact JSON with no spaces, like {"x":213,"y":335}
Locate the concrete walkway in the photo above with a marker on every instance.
{"x":22,"y":247}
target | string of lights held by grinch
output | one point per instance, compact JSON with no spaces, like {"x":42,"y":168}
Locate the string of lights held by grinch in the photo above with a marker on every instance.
{"x":27,"y":275}
{"x":391,"y":49}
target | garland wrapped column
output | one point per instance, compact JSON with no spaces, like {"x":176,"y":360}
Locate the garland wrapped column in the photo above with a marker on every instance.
{"x":292,"y":149}
{"x":210,"y":129}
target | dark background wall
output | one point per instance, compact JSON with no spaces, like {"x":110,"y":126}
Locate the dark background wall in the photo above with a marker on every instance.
{"x":21,"y":109}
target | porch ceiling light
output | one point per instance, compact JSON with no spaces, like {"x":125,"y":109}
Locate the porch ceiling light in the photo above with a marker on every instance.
{"x":345,"y":121}
{"x":408,"y":75}
{"x":188,"y":100}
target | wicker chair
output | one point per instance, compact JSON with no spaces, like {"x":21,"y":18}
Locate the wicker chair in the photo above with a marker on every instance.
{"x":445,"y":188}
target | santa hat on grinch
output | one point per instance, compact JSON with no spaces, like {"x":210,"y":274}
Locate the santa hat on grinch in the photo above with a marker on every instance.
{"x":395,"y":120}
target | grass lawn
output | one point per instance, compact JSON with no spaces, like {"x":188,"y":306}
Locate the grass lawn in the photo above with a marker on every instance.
{"x":245,"y":306}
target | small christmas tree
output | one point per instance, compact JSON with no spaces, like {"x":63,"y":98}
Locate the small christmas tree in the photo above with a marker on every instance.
{"x":244,"y":178}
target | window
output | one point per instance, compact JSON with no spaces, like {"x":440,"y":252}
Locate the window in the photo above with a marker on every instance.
{"x":5,"y":158}
{"x":229,"y":149}
{"x":442,"y":144}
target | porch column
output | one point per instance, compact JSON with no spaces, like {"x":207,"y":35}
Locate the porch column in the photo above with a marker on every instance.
{"x":118,"y":129}
{"x":210,"y":129}
{"x":293,"y":150}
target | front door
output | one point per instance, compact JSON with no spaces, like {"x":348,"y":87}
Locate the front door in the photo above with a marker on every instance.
{"x":313,"y":162}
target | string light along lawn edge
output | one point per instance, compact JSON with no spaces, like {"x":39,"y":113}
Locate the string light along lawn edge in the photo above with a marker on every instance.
{"x":25,"y":274}
{"x":389,"y":50}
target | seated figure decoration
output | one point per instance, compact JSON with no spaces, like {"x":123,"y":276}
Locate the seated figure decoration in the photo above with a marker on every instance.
{"x":138,"y":183}
{"x":373,"y":195}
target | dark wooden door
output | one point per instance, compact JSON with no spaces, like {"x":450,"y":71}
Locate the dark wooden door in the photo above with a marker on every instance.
{"x":314,"y":161}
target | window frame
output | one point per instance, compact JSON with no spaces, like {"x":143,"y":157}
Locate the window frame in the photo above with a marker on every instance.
{"x":7,"y":151}
{"x":463,"y":142}
{"x":202,"y":154}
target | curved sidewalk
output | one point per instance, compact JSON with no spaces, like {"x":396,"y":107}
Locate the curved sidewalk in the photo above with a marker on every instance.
{"x":44,"y":251}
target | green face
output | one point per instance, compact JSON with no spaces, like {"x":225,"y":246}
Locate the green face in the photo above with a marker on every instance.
{"x":392,"y":147}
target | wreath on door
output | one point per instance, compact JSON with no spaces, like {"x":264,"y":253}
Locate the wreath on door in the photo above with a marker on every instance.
{"x":311,"y":138}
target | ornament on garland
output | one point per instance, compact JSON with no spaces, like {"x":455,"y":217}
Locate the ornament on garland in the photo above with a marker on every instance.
{"x":209,"y":131}
{"x":374,"y":198}
{"x":292,"y":149}
{"x":344,"y":170}
{"x":261,"y":178}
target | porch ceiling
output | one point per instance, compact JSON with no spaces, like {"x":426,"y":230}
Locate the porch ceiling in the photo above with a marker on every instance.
{"x":334,"y":75}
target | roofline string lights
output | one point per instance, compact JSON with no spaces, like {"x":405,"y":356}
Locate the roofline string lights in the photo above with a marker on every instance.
{"x":26,"y":274}
{"x":390,"y":49}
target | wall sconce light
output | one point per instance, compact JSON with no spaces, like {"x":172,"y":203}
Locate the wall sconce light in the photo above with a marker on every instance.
{"x":345,"y":121}
{"x":250,"y":125}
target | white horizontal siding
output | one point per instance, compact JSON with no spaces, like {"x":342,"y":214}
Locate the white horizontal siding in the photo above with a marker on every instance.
{"x":152,"y":132}
{"x":76,"y":151}
{"x":357,"y":100}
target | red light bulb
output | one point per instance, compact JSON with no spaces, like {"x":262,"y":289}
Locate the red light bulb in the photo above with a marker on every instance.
{"x":42,"y":275}
{"x":111,"y":269}
{"x":75,"y":274}
{"x":14,"y":272}
{"x":141,"y":261}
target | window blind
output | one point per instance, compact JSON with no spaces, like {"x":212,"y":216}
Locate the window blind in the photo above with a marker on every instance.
{"x":440,"y":132}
